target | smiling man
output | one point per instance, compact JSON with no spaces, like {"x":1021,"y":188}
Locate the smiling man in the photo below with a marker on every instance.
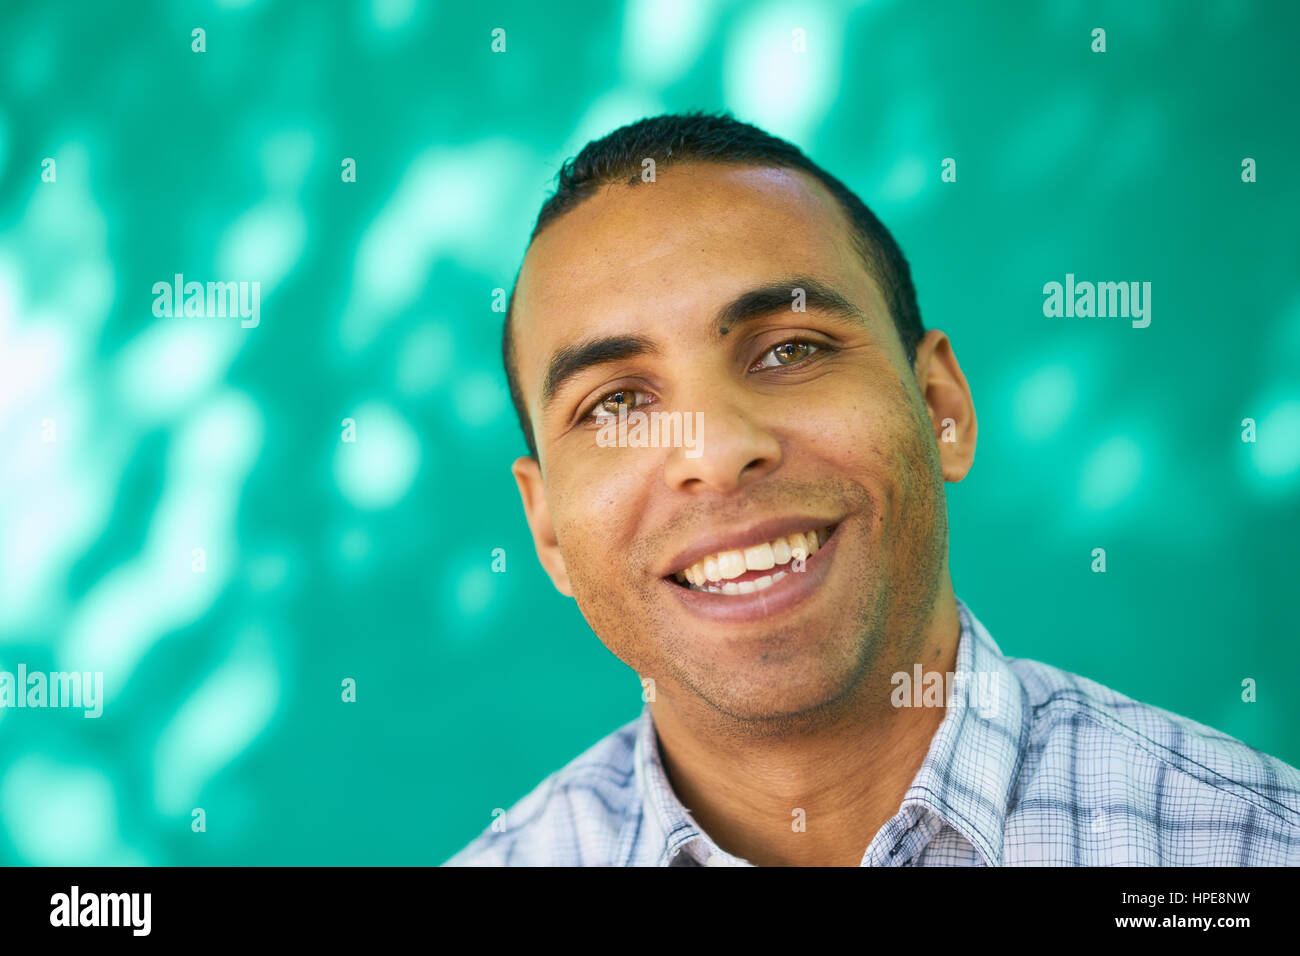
{"x":783,"y":585}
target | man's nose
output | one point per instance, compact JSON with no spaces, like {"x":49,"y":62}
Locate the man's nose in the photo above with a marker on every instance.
{"x":733,"y":449}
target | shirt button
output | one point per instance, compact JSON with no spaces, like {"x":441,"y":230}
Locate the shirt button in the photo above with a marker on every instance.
{"x":717,"y":860}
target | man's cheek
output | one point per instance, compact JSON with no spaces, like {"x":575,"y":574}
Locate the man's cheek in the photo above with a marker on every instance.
{"x":852,"y":438}
{"x":593,"y":559}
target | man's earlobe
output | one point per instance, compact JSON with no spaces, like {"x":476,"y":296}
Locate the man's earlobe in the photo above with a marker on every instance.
{"x":948,"y":400}
{"x":532,"y":492}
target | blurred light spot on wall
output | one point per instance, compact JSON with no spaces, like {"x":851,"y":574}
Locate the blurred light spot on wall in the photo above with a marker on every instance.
{"x":423,"y":358}
{"x":137,"y":603}
{"x":54,"y":272}
{"x":131,"y":609}
{"x":215,"y":724}
{"x":54,"y":502}
{"x":268,"y":571}
{"x":769,"y":84}
{"x":662,"y":38}
{"x":35,"y":358}
{"x":354,"y":545}
{"x":11,"y":300}
{"x":174,"y":362}
{"x":474,"y":590}
{"x":1044,"y":402}
{"x":287,"y":158}
{"x":377,"y":469}
{"x":450,"y":202}
{"x":63,"y":512}
{"x":391,"y":14}
{"x":1275,"y":454}
{"x":906,"y":180}
{"x":63,"y":223}
{"x":480,"y":399}
{"x":1111,"y":473}
{"x":60,"y":815}
{"x":262,"y":246}
{"x":87,"y":288}
{"x":219,"y":443}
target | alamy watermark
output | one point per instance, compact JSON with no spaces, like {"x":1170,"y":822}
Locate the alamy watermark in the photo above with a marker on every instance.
{"x":638,"y":429}
{"x":75,"y":908}
{"x":981,"y":690}
{"x":1102,"y":300}
{"x":81,"y":689}
{"x":213,"y":300}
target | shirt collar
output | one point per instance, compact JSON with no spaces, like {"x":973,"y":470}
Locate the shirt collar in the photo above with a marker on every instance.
{"x":966,"y":780}
{"x":974,"y":759}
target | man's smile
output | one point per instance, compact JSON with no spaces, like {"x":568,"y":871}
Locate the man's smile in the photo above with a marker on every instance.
{"x":738,"y":571}
{"x":754,"y":574}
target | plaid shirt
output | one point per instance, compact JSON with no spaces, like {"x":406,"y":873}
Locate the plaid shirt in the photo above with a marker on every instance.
{"x":1061,"y":772}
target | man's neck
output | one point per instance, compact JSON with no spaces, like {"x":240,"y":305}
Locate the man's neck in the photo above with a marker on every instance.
{"x":815,"y":799}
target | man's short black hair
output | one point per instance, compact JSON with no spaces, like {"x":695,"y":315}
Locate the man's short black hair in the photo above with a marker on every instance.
{"x":715,"y":138}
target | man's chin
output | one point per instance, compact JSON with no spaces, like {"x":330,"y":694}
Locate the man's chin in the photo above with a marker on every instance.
{"x":777,"y":690}
{"x":780,"y":715}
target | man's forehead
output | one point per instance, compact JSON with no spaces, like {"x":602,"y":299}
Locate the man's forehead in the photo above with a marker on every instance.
{"x":630,"y":251}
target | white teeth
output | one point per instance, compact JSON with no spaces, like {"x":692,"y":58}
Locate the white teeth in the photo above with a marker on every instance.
{"x":759,"y":558}
{"x":798,"y":550}
{"x":717,"y":572}
{"x":731,"y":564}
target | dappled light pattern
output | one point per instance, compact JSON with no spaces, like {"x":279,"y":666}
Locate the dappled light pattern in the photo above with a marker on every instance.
{"x":230,"y":516}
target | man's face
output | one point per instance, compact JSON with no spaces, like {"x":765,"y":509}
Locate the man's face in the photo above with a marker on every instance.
{"x":811,"y":423}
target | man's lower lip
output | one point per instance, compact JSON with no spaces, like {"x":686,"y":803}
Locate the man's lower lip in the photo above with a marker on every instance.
{"x":791,"y":591}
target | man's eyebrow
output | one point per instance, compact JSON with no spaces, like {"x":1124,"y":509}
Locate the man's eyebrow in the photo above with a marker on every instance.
{"x":755,"y":303}
{"x":572,"y":359}
{"x":775,"y":296}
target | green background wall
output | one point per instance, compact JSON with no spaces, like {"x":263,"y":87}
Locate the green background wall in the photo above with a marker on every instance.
{"x":372,"y":560}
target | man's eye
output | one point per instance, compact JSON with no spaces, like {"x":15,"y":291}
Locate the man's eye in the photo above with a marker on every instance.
{"x":611,"y":404}
{"x":787,"y":353}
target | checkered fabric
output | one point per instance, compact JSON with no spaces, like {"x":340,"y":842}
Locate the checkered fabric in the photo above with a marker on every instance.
{"x":1057,"y":771}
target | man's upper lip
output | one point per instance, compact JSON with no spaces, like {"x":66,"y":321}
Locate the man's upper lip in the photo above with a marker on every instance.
{"x":741,"y":538}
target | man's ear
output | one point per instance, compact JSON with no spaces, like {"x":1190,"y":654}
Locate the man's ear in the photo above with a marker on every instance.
{"x":528,"y":475}
{"x":948,"y":398}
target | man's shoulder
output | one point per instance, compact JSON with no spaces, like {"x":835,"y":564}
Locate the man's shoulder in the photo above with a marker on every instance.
{"x":573,"y":817}
{"x":1125,"y":758}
